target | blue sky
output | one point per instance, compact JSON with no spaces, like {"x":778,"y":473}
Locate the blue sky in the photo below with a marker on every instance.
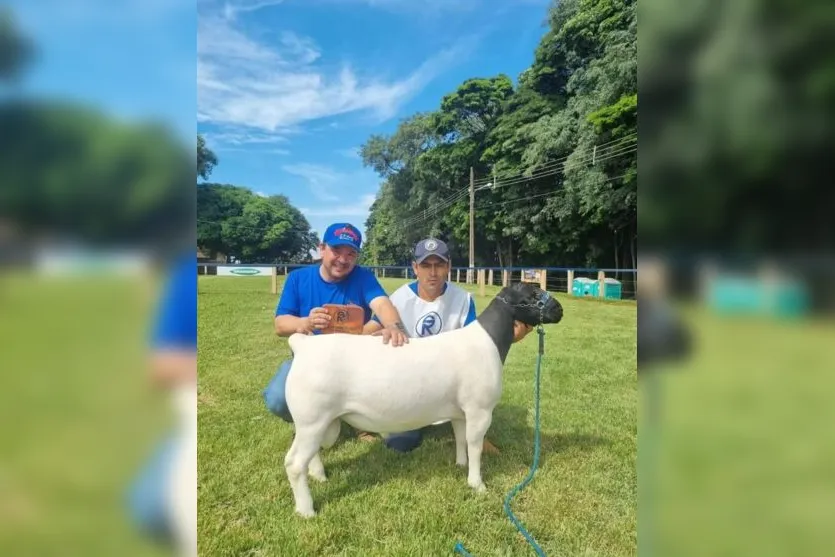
{"x":134,"y":59}
{"x":288,"y":90}
{"x":285,"y":91}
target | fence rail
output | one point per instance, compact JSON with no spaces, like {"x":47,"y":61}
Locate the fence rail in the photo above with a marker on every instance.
{"x":598,"y":282}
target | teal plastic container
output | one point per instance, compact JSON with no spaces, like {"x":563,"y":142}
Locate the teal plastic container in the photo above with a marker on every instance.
{"x":612,"y":289}
{"x":733,"y":295}
{"x":585,"y":287}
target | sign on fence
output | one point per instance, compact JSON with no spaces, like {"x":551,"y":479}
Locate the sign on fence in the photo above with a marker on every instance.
{"x":242,"y":271}
{"x":532,"y":275}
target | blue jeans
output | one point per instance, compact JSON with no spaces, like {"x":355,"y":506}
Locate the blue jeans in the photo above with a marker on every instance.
{"x":147,"y":496}
{"x":274,"y":395}
{"x":405,"y":441}
{"x":276,"y":401}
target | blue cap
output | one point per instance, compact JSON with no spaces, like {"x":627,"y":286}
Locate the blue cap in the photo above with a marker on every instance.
{"x":431,"y":246}
{"x":343,"y":234}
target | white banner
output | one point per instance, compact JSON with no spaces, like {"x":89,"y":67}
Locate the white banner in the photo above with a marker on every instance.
{"x":242,"y":271}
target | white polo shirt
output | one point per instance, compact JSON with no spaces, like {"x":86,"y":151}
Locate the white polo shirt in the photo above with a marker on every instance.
{"x":453,"y":309}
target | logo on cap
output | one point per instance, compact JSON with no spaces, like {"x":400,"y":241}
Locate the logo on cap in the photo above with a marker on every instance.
{"x":346,"y":233}
{"x":430,"y":245}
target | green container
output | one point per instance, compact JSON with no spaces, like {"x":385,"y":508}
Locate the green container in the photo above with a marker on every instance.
{"x":612,"y":289}
{"x":584,"y":287}
{"x":735,"y":295}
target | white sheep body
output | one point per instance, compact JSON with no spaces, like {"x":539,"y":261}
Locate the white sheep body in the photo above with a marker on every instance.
{"x":381,"y":388}
{"x":456,"y":376}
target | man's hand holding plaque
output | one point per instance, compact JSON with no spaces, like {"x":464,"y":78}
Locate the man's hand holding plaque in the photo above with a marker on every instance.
{"x":341,"y":318}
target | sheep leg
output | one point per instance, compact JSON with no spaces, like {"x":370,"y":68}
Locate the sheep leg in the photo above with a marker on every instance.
{"x":296,"y":463}
{"x":459,"y":428}
{"x":478,"y":422}
{"x":316,"y":469}
{"x":331,"y":434}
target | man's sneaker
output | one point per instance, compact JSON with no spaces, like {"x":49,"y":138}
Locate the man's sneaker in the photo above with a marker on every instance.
{"x":489,"y":448}
{"x":367,"y":437}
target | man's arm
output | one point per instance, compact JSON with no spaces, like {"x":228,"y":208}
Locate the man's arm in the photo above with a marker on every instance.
{"x":286,"y":325}
{"x":170,"y":368}
{"x":380,"y":304}
{"x":287,"y":318}
{"x":372,"y":327}
{"x":388,"y":314}
{"x":173,"y":361}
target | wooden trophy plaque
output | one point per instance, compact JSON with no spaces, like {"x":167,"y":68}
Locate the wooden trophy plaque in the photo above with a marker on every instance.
{"x":346,"y":318}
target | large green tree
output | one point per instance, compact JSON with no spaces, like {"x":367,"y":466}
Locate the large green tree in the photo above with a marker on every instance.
{"x":71,"y":172}
{"x":235,"y":221}
{"x":554,"y":155}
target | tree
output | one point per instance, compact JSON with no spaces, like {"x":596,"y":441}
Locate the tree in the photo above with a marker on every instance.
{"x":233,"y":220}
{"x":16,"y":50}
{"x":554,"y":155}
{"x":73,"y":172}
{"x":206,"y":159}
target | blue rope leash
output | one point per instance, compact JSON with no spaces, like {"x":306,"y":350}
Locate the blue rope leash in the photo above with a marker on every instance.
{"x":459,"y":547}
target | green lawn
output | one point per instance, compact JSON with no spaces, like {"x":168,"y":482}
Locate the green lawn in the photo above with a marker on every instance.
{"x":742,"y":459}
{"x":582,"y":500}
{"x":78,"y":416}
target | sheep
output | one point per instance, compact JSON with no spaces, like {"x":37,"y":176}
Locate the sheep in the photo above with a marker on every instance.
{"x":375,"y":387}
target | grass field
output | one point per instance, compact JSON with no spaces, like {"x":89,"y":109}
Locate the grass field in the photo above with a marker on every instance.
{"x":78,"y":416}
{"x":582,"y":500}
{"x":740,"y":459}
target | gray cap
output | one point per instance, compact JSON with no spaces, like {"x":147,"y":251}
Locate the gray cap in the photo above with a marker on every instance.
{"x":431,"y":246}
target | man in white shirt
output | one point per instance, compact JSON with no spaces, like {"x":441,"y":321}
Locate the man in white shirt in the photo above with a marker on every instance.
{"x":429,"y":306}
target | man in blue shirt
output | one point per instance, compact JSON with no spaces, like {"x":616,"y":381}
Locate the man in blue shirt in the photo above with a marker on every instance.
{"x":173,"y":367}
{"x":337,"y":280}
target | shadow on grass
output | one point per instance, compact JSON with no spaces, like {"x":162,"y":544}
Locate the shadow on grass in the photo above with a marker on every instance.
{"x":375,"y":465}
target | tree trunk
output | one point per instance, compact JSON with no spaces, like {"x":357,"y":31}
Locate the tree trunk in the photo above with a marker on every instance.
{"x":499,"y":251}
{"x":510,"y":252}
{"x":633,"y":244}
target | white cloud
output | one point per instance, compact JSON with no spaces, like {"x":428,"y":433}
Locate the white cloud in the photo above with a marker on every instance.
{"x":246,"y":140}
{"x":321,"y":180}
{"x":360,"y":208}
{"x":248,"y":83}
{"x":425,"y":7}
{"x":230,"y":10}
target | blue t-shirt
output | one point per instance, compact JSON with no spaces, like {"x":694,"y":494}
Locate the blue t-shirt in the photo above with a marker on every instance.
{"x":305,"y":289}
{"x":176,"y":320}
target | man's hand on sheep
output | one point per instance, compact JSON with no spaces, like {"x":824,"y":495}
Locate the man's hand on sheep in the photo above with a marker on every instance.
{"x":520,"y":330}
{"x":396,"y":333}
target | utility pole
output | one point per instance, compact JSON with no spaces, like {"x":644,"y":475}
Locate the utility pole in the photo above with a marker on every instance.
{"x":472,"y":228}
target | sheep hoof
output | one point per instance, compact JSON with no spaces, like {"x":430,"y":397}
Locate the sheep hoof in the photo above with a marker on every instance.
{"x":480,"y":488}
{"x":306,"y":513}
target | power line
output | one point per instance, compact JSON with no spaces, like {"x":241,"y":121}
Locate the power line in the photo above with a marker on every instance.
{"x":484,"y":183}
{"x":616,"y":152}
{"x":609,"y":148}
{"x":602,"y":147}
{"x":543,"y":194}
